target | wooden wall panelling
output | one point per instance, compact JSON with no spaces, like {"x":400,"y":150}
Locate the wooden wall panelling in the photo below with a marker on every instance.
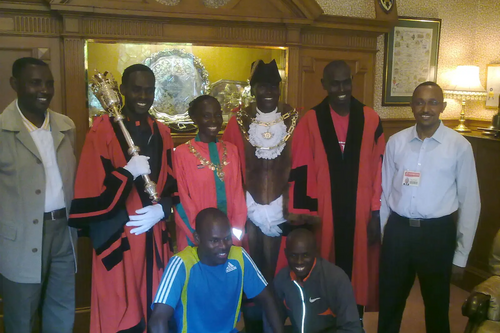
{"x":174,"y":30}
{"x":392,"y":126}
{"x":293,"y":40}
{"x":487,"y":155}
{"x":75,"y":102}
{"x":294,"y":79}
{"x":12,"y":48}
{"x":75,"y":105}
{"x":29,"y":23}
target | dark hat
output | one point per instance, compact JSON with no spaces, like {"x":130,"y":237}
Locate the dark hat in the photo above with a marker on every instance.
{"x":265,"y":73}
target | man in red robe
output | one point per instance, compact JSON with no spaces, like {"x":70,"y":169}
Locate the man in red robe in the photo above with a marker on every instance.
{"x":337,"y":154}
{"x":128,"y":232}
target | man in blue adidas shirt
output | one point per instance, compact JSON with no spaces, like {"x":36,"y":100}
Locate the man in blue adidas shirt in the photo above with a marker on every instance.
{"x":202,"y":286}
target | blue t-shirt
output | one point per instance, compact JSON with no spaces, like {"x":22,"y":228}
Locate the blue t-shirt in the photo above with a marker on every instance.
{"x":213,"y":293}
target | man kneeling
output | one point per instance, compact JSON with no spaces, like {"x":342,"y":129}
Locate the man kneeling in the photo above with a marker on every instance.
{"x":202,"y":286}
{"x":315,"y":294}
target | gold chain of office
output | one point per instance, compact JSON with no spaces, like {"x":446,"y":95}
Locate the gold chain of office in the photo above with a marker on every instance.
{"x":218,"y":168}
{"x":293,"y":113}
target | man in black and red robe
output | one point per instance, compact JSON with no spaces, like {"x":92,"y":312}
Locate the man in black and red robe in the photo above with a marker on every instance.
{"x":128,"y":232}
{"x":337,"y":154}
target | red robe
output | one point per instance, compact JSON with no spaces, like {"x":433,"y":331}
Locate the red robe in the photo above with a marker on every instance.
{"x":327,"y":183}
{"x":197,"y":189}
{"x":126,"y":268}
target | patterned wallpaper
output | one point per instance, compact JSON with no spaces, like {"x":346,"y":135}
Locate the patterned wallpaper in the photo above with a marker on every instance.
{"x":470,"y":35}
{"x":352,"y":8}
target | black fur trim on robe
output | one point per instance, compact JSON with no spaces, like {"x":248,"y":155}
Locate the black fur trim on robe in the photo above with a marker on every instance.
{"x":139,"y":328}
{"x":85,"y":208}
{"x":344,"y":170}
{"x":300,"y":198}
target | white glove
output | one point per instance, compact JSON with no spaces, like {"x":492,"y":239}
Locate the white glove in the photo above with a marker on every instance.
{"x":266,"y":217}
{"x":270,"y":230}
{"x":149,"y":216}
{"x":138,"y":166}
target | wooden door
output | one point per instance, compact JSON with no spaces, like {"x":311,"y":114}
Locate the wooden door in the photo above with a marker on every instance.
{"x":12,"y":48}
{"x":312,"y":63}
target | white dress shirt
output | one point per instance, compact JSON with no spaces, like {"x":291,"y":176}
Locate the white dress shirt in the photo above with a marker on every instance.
{"x":448,"y":182}
{"x":54,"y":194}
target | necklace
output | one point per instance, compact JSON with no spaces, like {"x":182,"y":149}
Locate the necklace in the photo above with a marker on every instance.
{"x":267,"y":135}
{"x":218,"y":168}
{"x":270,"y":123}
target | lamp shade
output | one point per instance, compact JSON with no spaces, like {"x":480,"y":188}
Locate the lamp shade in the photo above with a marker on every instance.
{"x":466,"y":78}
{"x":465,"y":83}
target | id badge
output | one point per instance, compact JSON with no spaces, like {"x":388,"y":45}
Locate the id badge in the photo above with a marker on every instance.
{"x":411,"y":178}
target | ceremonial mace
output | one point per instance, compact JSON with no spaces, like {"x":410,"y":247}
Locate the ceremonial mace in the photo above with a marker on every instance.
{"x":106,"y":90}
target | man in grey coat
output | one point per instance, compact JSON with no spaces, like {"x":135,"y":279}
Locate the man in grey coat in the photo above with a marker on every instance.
{"x":37,"y":171}
{"x":315,"y":294}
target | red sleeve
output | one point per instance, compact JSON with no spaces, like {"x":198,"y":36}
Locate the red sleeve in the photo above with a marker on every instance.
{"x":303,"y":197}
{"x":233,"y":135}
{"x":188,"y":204}
{"x":167,"y":184}
{"x":101,"y":188}
{"x":236,"y":198}
{"x":167,"y":158}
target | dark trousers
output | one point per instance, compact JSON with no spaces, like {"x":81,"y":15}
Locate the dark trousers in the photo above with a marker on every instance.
{"x":264,"y":251}
{"x":425,"y":251}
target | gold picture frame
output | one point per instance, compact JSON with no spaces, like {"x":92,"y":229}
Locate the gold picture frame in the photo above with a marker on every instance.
{"x":492,"y":85}
{"x":411,"y":57}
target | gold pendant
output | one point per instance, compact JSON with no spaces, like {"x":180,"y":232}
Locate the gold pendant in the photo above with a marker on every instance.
{"x":267,"y":135}
{"x":220,"y":174}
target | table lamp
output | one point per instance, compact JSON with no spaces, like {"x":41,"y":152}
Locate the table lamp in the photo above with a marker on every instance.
{"x":465,"y":85}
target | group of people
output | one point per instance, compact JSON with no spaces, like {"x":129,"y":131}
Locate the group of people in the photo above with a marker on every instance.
{"x":335,"y":220}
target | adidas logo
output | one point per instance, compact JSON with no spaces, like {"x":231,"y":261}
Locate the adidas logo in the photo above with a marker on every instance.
{"x":230,"y":267}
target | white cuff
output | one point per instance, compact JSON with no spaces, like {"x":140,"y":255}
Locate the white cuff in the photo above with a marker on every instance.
{"x":459,"y":259}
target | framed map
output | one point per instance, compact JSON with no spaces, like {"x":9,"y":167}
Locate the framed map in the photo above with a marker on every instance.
{"x":411,"y":57}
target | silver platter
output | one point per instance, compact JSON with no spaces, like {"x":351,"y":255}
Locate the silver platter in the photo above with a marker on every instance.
{"x":180,"y":78}
{"x":231,"y":94}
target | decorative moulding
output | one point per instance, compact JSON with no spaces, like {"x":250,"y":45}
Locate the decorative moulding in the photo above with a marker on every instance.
{"x":276,"y":11}
{"x":30,"y":24}
{"x":340,"y":41}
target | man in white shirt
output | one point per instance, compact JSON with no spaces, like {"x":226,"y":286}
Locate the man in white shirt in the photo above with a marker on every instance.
{"x":428,"y":174}
{"x":37,"y":172}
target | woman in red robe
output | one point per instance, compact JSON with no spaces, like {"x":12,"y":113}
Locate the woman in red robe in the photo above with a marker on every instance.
{"x":208,"y":174}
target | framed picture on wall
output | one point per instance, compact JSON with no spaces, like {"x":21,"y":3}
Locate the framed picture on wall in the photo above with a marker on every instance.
{"x":411,"y":57}
{"x":492,"y":85}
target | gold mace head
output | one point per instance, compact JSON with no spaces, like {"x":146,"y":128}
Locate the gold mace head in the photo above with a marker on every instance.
{"x":105,"y":89}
